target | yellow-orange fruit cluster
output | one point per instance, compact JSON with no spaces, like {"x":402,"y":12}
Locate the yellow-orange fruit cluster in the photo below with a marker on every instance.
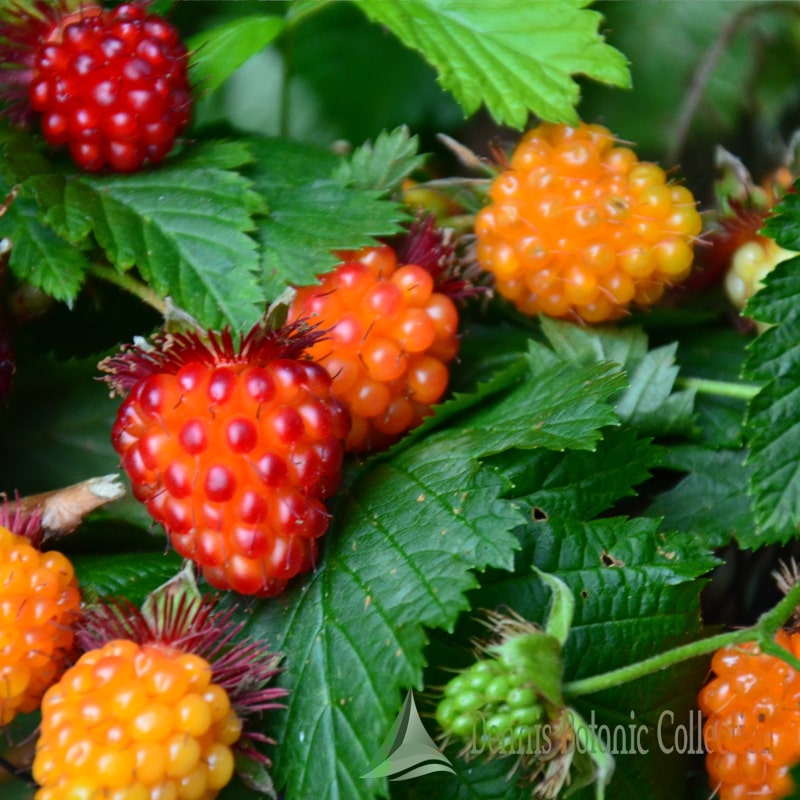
{"x":390,"y":338}
{"x":136,"y":722}
{"x":39,"y":603}
{"x":752,"y":706}
{"x":578,"y":226}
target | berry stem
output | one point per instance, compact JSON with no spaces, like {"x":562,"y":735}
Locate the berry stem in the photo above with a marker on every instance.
{"x":763,"y":632}
{"x":129,"y":284}
{"x":738,"y":391}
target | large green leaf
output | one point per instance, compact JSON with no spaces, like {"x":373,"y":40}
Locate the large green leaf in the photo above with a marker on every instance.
{"x":183,"y":225}
{"x":636,"y":594}
{"x":311,"y":213}
{"x":773,"y":423}
{"x":217,"y":53}
{"x":648,"y":402}
{"x":709,"y":502}
{"x":405,"y":539}
{"x":516,"y":58}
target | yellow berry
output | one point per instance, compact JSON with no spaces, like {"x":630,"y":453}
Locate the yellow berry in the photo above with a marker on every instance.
{"x":135,"y":722}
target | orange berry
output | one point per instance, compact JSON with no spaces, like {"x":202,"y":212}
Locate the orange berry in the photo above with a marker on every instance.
{"x":599,"y":227}
{"x":39,"y":604}
{"x":752,"y":715}
{"x":392,"y":334}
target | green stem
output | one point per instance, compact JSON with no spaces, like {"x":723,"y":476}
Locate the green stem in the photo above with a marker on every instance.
{"x":130,"y":284}
{"x":763,"y":632}
{"x":739,"y":391}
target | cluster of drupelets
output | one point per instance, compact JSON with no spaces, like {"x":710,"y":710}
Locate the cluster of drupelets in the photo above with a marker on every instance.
{"x":234,"y":448}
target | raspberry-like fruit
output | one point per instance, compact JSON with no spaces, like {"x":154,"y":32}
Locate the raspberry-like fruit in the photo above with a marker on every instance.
{"x":233,"y":450}
{"x":751,"y":709}
{"x":391,"y":333}
{"x":154,"y":712}
{"x":493,"y":705}
{"x":111,"y":85}
{"x":39,"y":605}
{"x":751,"y":263}
{"x":578,"y":226}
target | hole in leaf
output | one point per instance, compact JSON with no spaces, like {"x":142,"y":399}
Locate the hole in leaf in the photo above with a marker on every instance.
{"x":538,"y":514}
{"x":609,"y":561}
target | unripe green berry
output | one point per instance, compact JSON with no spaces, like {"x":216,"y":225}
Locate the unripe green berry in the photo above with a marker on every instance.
{"x":463,"y":726}
{"x":520,"y":697}
{"x":498,"y":689}
{"x":458,"y":685}
{"x":529,"y":715}
{"x":446,"y":712}
{"x":468,"y":701}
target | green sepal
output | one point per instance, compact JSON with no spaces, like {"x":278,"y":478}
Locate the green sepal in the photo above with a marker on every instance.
{"x":559,"y":620}
{"x":592,"y":762}
{"x":180,"y":589}
{"x":539,"y":656}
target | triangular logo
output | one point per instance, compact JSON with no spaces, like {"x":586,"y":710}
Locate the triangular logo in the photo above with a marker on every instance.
{"x":410,"y":751}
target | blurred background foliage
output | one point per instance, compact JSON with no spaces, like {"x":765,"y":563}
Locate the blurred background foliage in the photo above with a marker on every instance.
{"x":705,"y":72}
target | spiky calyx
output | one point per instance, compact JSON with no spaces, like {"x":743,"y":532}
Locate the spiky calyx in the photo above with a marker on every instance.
{"x":156,"y":706}
{"x":233,"y":449}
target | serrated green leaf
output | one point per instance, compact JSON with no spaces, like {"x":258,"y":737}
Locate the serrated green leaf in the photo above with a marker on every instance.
{"x":709,"y":502}
{"x":636,"y":594}
{"x":560,"y":408}
{"x":218,"y":53}
{"x":311,"y":214}
{"x":515,"y":59}
{"x":404,"y":540}
{"x":184,"y":227}
{"x":648,"y":402}
{"x":39,"y":255}
{"x":783,"y":223}
{"x":129,"y":575}
{"x":406,"y":537}
{"x":384,"y":164}
{"x":579,"y":484}
{"x":772,"y":427}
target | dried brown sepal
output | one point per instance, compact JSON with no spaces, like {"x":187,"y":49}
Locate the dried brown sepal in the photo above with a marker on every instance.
{"x":20,"y":521}
{"x":60,"y":511}
{"x":166,"y":353}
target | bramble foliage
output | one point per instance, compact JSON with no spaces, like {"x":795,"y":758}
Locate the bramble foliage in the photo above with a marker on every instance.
{"x":598,"y":454}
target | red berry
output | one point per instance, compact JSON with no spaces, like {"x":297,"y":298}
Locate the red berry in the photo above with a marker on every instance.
{"x":391,"y":334}
{"x":751,"y":709}
{"x":579,"y":227}
{"x":233,"y":451}
{"x":110,"y":85}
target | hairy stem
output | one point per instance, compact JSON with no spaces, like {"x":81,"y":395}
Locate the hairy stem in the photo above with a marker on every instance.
{"x":130,"y":284}
{"x":739,"y":391}
{"x":763,"y":631}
